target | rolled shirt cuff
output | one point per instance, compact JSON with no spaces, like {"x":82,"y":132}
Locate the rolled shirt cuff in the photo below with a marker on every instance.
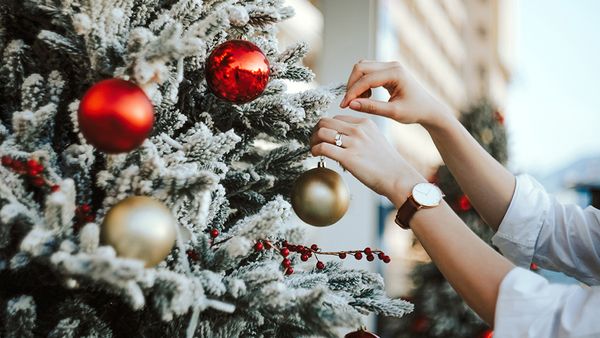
{"x":519,"y":230}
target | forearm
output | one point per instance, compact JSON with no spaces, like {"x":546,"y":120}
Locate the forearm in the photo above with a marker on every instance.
{"x":473,"y":268}
{"x":486,"y":182}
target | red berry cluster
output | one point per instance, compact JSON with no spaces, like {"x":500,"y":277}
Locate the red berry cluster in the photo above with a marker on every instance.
{"x":83,"y":215}
{"x":193,"y":255}
{"x":285,"y":249}
{"x":32,"y":169}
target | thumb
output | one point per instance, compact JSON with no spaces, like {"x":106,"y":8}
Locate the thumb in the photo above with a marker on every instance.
{"x":375,"y":107}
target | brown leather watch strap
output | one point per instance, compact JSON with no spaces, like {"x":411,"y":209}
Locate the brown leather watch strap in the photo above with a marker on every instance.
{"x":406,"y":212}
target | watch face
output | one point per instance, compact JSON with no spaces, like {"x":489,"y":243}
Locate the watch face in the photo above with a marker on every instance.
{"x":427,"y":194}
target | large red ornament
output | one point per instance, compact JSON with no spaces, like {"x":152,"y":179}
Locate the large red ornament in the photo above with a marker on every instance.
{"x":115,"y":116}
{"x":237,"y":71}
{"x":361,"y":334}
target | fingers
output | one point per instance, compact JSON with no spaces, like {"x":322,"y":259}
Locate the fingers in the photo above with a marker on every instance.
{"x":329,"y":150}
{"x":350,"y":119}
{"x":362,"y":68}
{"x":376,"y":107}
{"x":328,"y":135}
{"x":338,"y":125}
{"x":368,"y":81}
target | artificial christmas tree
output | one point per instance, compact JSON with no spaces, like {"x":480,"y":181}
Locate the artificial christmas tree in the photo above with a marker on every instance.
{"x":230,"y":272}
{"x":439,"y":310}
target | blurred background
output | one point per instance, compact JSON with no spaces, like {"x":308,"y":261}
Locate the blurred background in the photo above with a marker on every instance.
{"x":537,"y":62}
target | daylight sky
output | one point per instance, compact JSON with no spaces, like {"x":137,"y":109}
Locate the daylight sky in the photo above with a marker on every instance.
{"x":553,"y":111}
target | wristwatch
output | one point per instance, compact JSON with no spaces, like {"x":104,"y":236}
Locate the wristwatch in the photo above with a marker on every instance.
{"x":424,"y":195}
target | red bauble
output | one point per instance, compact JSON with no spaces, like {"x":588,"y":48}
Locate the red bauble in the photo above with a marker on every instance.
{"x":464,"y":204}
{"x":487,"y":334}
{"x":115,"y":116}
{"x":361,"y":334}
{"x":237,"y":71}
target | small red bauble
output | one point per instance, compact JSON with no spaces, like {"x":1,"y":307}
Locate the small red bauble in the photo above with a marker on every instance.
{"x":115,"y":116}
{"x":320,"y":265}
{"x":361,"y":334}
{"x":286,"y":263}
{"x":487,"y":334}
{"x":258,"y":246}
{"x":342,"y":255}
{"x":533,"y":267}
{"x":237,"y":71}
{"x":358,"y":256}
{"x":464,"y":203}
{"x":289,"y":271}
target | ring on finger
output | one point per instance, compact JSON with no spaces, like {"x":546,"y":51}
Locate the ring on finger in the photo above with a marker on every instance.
{"x":338,"y":140}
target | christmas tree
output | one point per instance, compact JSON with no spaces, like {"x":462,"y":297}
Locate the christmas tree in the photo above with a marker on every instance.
{"x":137,"y":201}
{"x":439,"y":310}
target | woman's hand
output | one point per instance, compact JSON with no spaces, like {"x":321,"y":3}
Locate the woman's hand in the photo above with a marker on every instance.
{"x":409,"y":102}
{"x":367,"y":155}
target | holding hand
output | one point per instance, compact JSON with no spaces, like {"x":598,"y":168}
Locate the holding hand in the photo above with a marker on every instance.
{"x":409,"y":102}
{"x":365,"y":152}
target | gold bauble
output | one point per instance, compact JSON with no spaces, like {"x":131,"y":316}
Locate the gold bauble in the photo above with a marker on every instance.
{"x":140,"y":227}
{"x":320,"y":196}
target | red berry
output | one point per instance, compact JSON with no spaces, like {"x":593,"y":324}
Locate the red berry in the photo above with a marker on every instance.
{"x":18,"y":166}
{"x":7,"y":161}
{"x":85,"y":208}
{"x":32,"y":163}
{"x":214,"y":233}
{"x":268,"y":245}
{"x":284,"y":252}
{"x":289,"y":271}
{"x":381,"y":255}
{"x":370,"y":257}
{"x":38,"y":181}
{"x":320,"y":265}
{"x":358,"y":256}
{"x":33,"y":171}
{"x":285,"y":244}
{"x":314,"y":247}
{"x":55,"y":188}
{"x":368,"y":251}
{"x":286,"y":263}
{"x":533,"y":267}
{"x":342,"y":255}
{"x":292,"y":248}
{"x":258,"y":246}
{"x":304,"y":257}
{"x":387,"y":259}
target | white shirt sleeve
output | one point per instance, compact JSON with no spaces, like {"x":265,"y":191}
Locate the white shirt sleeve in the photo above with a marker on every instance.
{"x":537,"y":228}
{"x":529,"y":306}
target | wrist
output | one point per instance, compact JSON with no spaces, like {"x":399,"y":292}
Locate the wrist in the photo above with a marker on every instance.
{"x":442,"y":120}
{"x":402,"y":187}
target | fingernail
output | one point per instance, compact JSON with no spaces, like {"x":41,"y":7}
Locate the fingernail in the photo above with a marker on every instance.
{"x":355,"y":105}
{"x":342,"y":102}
